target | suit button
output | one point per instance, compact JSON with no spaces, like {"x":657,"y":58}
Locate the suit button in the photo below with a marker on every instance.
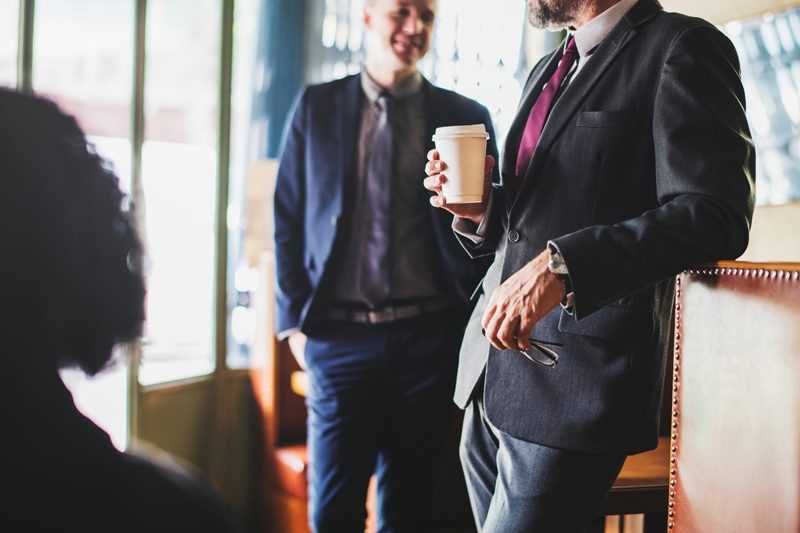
{"x":334,"y":220}
{"x":513,"y":235}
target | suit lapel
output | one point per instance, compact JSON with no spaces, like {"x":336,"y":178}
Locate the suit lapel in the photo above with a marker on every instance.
{"x":349,"y":118}
{"x":566,"y":106}
{"x":539,"y":75}
{"x":433,"y":111}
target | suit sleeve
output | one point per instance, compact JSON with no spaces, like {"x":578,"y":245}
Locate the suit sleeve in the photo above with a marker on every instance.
{"x":292,"y":284}
{"x":704,"y":171}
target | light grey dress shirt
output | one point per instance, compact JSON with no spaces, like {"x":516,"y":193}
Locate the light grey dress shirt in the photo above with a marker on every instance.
{"x":412,"y":245}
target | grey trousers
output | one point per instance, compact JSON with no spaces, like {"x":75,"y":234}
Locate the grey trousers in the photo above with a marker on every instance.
{"x":520,"y":486}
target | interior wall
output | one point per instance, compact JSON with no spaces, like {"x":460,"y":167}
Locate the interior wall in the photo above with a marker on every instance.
{"x":775,"y":236}
{"x":176,"y":418}
{"x":212,"y":426}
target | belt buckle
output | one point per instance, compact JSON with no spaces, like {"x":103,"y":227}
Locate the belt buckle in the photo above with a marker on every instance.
{"x":377,"y":316}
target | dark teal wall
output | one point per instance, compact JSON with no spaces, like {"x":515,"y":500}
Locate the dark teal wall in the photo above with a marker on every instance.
{"x":281,"y":53}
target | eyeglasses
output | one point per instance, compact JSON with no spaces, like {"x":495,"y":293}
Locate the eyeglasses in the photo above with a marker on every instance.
{"x":541,"y":353}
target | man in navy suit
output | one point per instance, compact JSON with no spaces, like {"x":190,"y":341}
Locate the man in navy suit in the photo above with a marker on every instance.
{"x":373,"y":287}
{"x":629,"y":160}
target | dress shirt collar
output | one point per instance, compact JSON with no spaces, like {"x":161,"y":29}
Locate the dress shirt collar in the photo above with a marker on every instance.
{"x":591,"y":34}
{"x":408,"y":87}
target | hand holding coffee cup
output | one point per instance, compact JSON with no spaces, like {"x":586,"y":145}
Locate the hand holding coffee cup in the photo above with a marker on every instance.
{"x":459,"y":171}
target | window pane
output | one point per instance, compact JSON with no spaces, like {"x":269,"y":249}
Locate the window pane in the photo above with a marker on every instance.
{"x":769,"y":51}
{"x":491,"y":70}
{"x":82,"y":61}
{"x":9,"y":13}
{"x":246,"y":137}
{"x":179,"y":185}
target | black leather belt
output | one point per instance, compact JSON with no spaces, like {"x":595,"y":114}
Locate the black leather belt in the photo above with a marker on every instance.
{"x":390,"y":313}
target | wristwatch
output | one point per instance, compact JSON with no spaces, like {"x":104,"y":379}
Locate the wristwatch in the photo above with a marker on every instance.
{"x":558,"y":266}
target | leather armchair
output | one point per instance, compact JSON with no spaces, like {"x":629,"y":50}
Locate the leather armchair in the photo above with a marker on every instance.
{"x":735,"y":443}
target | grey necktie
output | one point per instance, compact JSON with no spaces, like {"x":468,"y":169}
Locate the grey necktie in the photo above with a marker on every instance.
{"x":374,"y":279}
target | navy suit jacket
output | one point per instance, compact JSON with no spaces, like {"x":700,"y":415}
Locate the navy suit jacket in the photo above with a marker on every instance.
{"x":317,"y":166}
{"x":644,"y":168}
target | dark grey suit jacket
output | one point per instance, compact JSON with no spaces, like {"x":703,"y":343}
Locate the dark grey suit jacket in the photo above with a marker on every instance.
{"x":645,"y":168}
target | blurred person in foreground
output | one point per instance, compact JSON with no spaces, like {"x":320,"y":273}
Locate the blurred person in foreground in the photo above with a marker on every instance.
{"x":373,"y":288}
{"x":71,"y":291}
{"x":630,"y":159}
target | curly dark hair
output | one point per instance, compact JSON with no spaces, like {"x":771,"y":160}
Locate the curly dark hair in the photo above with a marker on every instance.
{"x":70,"y":280}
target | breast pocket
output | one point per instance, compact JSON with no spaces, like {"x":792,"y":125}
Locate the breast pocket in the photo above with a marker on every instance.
{"x":604,"y":119}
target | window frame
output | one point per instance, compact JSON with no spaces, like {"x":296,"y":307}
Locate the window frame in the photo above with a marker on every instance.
{"x":25,"y":83}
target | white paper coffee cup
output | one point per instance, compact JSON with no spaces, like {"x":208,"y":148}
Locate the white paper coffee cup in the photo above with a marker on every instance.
{"x":463,"y":149}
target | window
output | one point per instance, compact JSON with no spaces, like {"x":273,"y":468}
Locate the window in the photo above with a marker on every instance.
{"x":491,"y":69}
{"x":247,"y":139}
{"x":9,"y":15}
{"x":83,"y":61}
{"x":769,"y":51}
{"x":179,"y":183}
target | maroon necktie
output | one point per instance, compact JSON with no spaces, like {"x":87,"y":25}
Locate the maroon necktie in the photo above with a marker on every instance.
{"x":541,"y":109}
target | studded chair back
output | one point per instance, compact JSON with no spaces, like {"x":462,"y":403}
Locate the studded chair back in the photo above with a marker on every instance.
{"x":735,"y":443}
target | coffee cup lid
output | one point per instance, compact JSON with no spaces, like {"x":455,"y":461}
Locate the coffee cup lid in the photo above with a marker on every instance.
{"x":471,"y":130}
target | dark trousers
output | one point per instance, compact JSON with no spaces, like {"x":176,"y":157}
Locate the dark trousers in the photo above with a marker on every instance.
{"x":517,"y":486}
{"x":380,"y":402}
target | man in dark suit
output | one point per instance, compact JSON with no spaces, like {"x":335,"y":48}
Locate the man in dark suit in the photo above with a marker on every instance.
{"x":630,"y":159}
{"x":373,"y":288}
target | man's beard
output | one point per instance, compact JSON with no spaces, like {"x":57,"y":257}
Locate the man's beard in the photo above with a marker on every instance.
{"x":552,"y":14}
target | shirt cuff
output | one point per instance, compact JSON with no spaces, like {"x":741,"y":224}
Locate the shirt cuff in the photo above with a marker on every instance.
{"x":467,"y":228}
{"x":285,"y":334}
